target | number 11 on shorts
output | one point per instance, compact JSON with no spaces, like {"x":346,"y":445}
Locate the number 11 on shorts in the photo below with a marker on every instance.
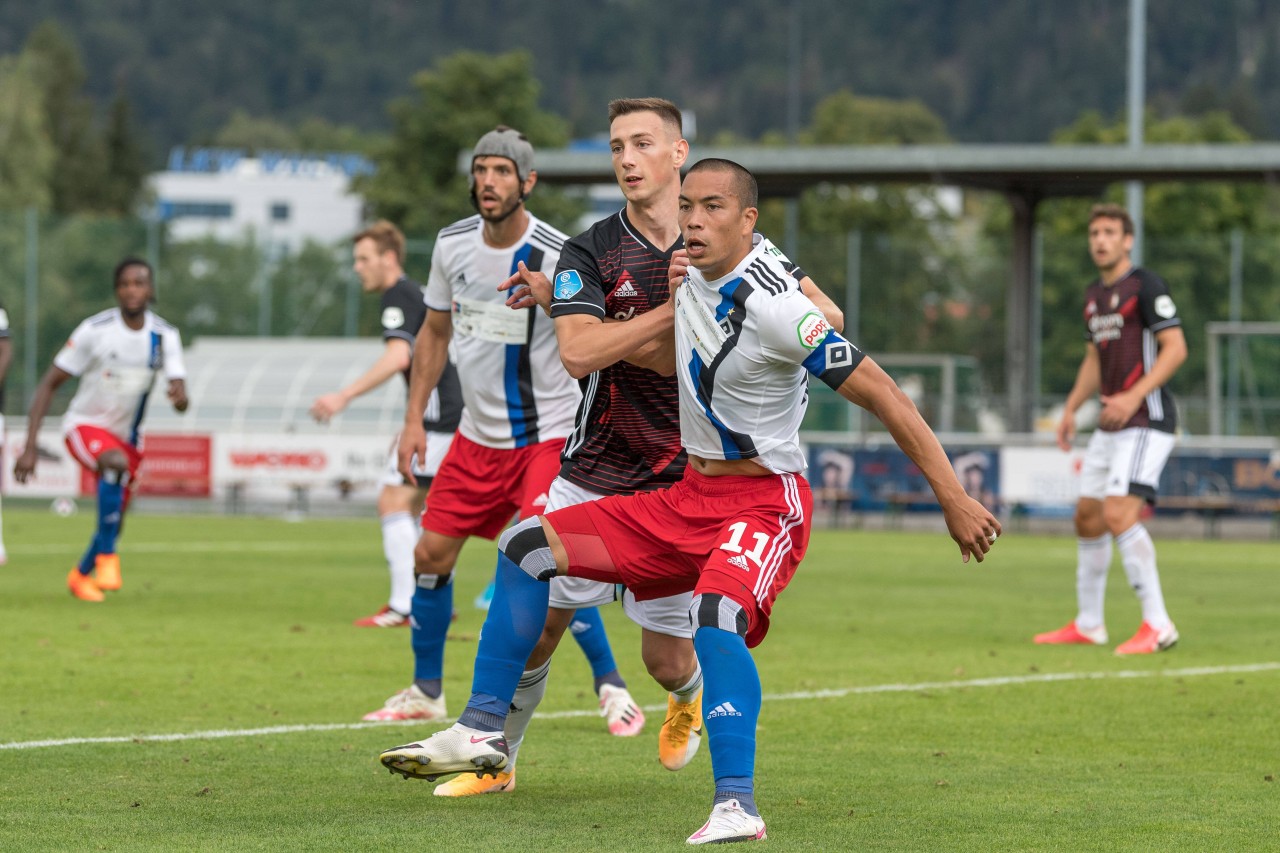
{"x":734,"y":545}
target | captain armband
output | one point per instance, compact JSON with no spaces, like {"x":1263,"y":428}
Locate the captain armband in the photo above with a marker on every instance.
{"x":833,"y":359}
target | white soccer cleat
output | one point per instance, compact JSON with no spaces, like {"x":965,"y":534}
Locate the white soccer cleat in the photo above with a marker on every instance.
{"x":620,"y":711}
{"x":409,"y":704}
{"x":457,"y":749}
{"x":729,"y":822}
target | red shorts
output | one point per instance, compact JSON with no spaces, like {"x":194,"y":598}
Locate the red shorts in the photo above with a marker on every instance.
{"x":87,"y":443}
{"x":741,"y":537}
{"x":479,"y":489}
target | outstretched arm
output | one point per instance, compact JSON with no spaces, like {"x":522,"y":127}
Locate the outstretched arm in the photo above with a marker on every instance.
{"x":40,"y":401}
{"x":394,"y":359}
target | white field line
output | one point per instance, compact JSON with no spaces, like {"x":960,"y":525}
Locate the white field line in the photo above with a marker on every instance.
{"x":362,"y":544}
{"x":919,"y":687}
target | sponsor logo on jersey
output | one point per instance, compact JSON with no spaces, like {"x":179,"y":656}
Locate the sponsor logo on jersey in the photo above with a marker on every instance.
{"x":1164,"y":306}
{"x":568,"y":284}
{"x":392,"y":318}
{"x":812,"y":329}
{"x":724,"y":709}
{"x":739,"y":561}
{"x":1105,"y":327}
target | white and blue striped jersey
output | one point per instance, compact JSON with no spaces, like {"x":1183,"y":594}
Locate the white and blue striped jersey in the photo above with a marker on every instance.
{"x":514,"y":386}
{"x":744,"y":344}
{"x":117,"y":367}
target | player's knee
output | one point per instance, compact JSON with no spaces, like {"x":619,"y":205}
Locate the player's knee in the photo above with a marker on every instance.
{"x":526,"y":545}
{"x":712,"y":610}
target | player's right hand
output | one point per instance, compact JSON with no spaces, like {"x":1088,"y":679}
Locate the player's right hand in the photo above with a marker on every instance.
{"x":25,"y":466}
{"x":413,"y":446}
{"x":1066,"y":430}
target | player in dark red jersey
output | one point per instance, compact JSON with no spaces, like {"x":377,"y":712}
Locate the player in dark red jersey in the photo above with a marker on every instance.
{"x":1134,"y":345}
{"x":379,"y":262}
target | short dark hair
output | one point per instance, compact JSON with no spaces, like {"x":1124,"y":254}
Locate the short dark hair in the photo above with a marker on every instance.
{"x":744,"y":183}
{"x":386,"y":236}
{"x":1112,"y":211}
{"x":664,"y":109}
{"x":132,"y":261}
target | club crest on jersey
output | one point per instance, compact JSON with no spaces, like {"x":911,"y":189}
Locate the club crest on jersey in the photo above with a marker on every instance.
{"x":392,"y":318}
{"x":568,"y":284}
{"x":812,"y":329}
{"x":1164,"y":306}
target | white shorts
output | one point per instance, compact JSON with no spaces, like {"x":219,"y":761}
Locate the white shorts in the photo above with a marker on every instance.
{"x":668,"y":615}
{"x":1127,"y":462}
{"x":437,"y":446}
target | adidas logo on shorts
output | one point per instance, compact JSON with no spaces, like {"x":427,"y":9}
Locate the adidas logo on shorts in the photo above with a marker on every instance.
{"x":724,"y":709}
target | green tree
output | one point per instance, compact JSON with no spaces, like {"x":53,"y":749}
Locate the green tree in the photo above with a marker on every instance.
{"x":27,"y":154}
{"x":418,"y":184}
{"x":126,"y":159}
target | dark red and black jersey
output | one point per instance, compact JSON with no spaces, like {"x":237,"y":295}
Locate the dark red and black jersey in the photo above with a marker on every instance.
{"x":403,"y":313}
{"x":1122,"y":321}
{"x":626,"y":437}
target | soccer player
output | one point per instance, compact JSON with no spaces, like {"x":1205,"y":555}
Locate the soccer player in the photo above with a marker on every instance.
{"x":379,"y":262}
{"x":1133,"y":346}
{"x":734,"y":528}
{"x":519,"y":407}
{"x":627,"y":437}
{"x":117,"y":355}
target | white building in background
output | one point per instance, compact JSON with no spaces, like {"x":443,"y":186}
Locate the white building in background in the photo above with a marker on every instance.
{"x":279,"y":197}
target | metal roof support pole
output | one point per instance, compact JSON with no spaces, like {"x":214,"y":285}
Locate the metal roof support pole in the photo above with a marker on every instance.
{"x":1019,"y":316}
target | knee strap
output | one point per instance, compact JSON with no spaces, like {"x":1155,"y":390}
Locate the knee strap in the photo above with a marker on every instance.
{"x":717,"y":611}
{"x":525,"y":544}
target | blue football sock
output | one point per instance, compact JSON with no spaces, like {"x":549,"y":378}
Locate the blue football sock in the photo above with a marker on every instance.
{"x":431,"y":611}
{"x":110,"y":509}
{"x":731,"y":709}
{"x":511,"y":630}
{"x":588,"y":629}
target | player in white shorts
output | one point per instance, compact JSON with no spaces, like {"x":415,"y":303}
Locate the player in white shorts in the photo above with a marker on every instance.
{"x":1134,"y":345}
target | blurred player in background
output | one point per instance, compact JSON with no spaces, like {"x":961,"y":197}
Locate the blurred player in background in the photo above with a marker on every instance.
{"x":519,"y":408}
{"x":117,"y":355}
{"x":6,"y":359}
{"x":379,"y":262}
{"x":1133,"y":346}
{"x":734,"y":528}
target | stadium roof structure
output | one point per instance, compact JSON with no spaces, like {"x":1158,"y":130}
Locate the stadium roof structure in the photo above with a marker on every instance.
{"x":1026,"y":174}
{"x":257,"y":385}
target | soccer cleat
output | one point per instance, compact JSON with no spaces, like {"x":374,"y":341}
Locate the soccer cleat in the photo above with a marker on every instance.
{"x":384,"y":618}
{"x":681,"y":733}
{"x":457,"y":749}
{"x":1149,"y":640}
{"x":484,"y":599}
{"x":83,"y":587}
{"x":106,"y":571}
{"x":620,"y":711}
{"x":1073,"y":634}
{"x":468,"y":785}
{"x":409,"y":704}
{"x":729,"y":822}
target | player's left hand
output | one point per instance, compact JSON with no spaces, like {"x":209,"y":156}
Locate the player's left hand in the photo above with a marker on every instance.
{"x":679,"y":268}
{"x":527,"y":288}
{"x":1117,"y":409}
{"x":177,"y":394}
{"x":973,"y":527}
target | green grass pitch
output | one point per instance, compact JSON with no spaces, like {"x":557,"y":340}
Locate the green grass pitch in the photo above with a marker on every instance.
{"x":905,"y":707}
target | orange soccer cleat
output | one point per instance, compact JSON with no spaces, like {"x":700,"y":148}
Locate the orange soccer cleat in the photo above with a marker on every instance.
{"x":83,"y":587}
{"x":1073,"y":634}
{"x":106,"y":571}
{"x":1149,"y":640}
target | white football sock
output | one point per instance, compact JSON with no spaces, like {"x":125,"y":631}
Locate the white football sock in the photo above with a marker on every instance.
{"x":1093,"y":559}
{"x":1138,"y":553}
{"x":529,"y":693}
{"x":686,"y":694}
{"x":399,"y":536}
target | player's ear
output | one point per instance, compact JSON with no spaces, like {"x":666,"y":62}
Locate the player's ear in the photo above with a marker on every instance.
{"x":681,"y":153}
{"x":529,"y":183}
{"x":749,"y":217}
